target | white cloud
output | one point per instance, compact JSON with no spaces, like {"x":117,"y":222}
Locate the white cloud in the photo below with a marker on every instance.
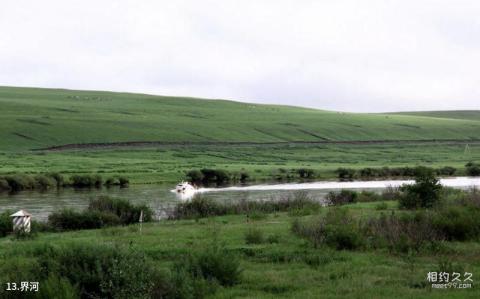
{"x":342,"y":55}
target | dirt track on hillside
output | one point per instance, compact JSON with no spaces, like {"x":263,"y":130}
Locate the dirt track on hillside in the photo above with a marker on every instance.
{"x":88,"y":146}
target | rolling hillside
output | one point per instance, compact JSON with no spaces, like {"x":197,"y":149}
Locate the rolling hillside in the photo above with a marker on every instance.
{"x":32,"y":118}
{"x":459,"y":114}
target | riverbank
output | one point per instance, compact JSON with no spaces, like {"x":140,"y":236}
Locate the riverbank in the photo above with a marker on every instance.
{"x":286,"y":266}
{"x":265,"y":163}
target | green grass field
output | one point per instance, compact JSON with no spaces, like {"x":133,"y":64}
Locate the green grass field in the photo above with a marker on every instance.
{"x":155,"y":165}
{"x":283,"y":270}
{"x":38,"y":118}
{"x":32,"y":118}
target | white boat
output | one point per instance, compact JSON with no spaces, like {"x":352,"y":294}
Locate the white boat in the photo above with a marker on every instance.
{"x":184,"y":187}
{"x":185,"y":191}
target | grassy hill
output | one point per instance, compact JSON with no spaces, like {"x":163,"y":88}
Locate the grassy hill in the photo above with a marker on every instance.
{"x":458,"y":114}
{"x":33,"y":118}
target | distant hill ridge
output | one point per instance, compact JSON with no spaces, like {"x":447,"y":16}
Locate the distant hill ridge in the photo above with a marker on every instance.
{"x":33,"y":118}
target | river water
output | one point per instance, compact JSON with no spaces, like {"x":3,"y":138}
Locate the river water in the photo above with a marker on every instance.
{"x":161,"y":197}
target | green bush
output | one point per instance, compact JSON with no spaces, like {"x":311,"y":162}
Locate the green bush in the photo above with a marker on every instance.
{"x":345,"y":173}
{"x":198,"y":207}
{"x":381,"y":206}
{"x":101,"y":271}
{"x":123,"y":209}
{"x":244,"y":177}
{"x":101,"y":212}
{"x":201,"y":207}
{"x":55,"y":287}
{"x":117,"y":181}
{"x":254,"y":236}
{"x":20,"y":182}
{"x":401,"y":234}
{"x":123,"y":181}
{"x":458,"y":223}
{"x":368,"y":196}
{"x":6,"y":225}
{"x":216,"y":263}
{"x":447,"y":170}
{"x":273,"y":239}
{"x":45,"y":182}
{"x":306,"y":173}
{"x":391,"y":193}
{"x":78,"y":270}
{"x":59,"y":178}
{"x":195,"y":176}
{"x":343,"y":237}
{"x":425,"y":193}
{"x":401,"y":171}
{"x":473,"y":169}
{"x":111,"y":182}
{"x":86,"y":181}
{"x":4,"y":186}
{"x":68,"y":219}
{"x":342,"y":197}
{"x":337,"y":229}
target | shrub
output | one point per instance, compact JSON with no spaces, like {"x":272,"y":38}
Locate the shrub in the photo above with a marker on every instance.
{"x":217,"y":176}
{"x":447,"y":170}
{"x":342,"y":197}
{"x":55,"y":287}
{"x":4,"y":186}
{"x":343,"y":237}
{"x":368,"y":196}
{"x":82,"y":181}
{"x":198,"y":207}
{"x":6,"y":225}
{"x":254,"y":236}
{"x":99,"y":270}
{"x":59,"y":179}
{"x":123,"y":209}
{"x":368,"y":172}
{"x":45,"y":182}
{"x":425,"y":193}
{"x":195,"y":176}
{"x":79,"y":270}
{"x":203,"y":207}
{"x":401,"y":233}
{"x":306,"y":173}
{"x":391,"y":193}
{"x":473,"y":169}
{"x":111,"y":182}
{"x":101,"y":212}
{"x":273,"y":239}
{"x":381,"y":206}
{"x":459,"y":223}
{"x":257,"y":215}
{"x":244,"y":177}
{"x":337,"y":229}
{"x":123,"y":181}
{"x":345,"y":173}
{"x":68,"y":219}
{"x":20,"y":182}
{"x":216,"y":263}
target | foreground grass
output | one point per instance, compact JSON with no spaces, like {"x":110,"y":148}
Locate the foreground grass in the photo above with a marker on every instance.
{"x":290,"y":268}
{"x":156,"y":165}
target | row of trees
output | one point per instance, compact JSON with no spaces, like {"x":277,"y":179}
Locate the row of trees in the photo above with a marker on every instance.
{"x":471,"y":169}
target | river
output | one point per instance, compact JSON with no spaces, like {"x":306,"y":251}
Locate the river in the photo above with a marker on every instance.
{"x":161,"y":197}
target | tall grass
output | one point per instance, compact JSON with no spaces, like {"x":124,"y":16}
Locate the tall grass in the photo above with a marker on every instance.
{"x":201,"y":207}
{"x":102,"y":211}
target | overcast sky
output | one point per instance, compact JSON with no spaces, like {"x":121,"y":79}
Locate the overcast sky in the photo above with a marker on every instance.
{"x":344,"y":55}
